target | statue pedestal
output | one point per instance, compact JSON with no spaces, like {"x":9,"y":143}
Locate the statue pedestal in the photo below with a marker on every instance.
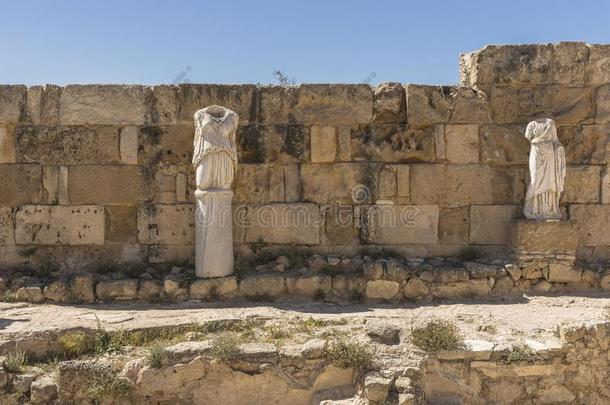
{"x":551,"y":240}
{"x":214,"y":233}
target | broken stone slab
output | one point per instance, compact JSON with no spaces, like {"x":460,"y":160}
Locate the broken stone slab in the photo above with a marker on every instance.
{"x":43,"y":390}
{"x":313,"y":349}
{"x":480,"y":350}
{"x":383,"y":333}
{"x":185,"y":352}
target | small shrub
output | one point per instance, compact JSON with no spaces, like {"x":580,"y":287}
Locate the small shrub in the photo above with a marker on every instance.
{"x":107,"y":383}
{"x":74,"y":344}
{"x":277,"y":332}
{"x":8,"y":296}
{"x":346,"y":353}
{"x":437,"y":335}
{"x":319,"y":294}
{"x":225,"y":345}
{"x":156,"y":354}
{"x":356,"y":295}
{"x":46,"y":269}
{"x":310,"y":324}
{"x":15,"y":361}
{"x":330,"y":270}
{"x":214,"y":294}
{"x":519,"y":353}
{"x":295,"y":257}
{"x":27,"y":251}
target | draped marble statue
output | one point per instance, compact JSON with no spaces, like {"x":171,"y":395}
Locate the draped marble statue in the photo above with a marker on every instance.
{"x":215,"y":162}
{"x":547,"y":164}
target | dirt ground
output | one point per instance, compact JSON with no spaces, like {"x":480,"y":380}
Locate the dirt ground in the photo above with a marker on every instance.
{"x":534,"y":317}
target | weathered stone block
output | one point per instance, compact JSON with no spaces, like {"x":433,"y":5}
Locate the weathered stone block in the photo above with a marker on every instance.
{"x":598,"y":66}
{"x":81,"y":286}
{"x":508,"y":185}
{"x":462,"y":143}
{"x":106,"y":185}
{"x":149,"y":290}
{"x":606,"y":186}
{"x":121,"y":224}
{"x":415,"y":288}
{"x":570,"y":60}
{"x":330,"y":104}
{"x":453,"y":226}
{"x":451,"y":185}
{"x":117,"y":290}
{"x":544,"y":236}
{"x":20,"y":184}
{"x":260,"y":285}
{"x":284,"y":224}
{"x":57,"y":145}
{"x":166,"y":224}
{"x":128,"y":145}
{"x":57,"y":291}
{"x":237,"y":97}
{"x":280,"y":143}
{"x":395,"y":143}
{"x":165,"y":144}
{"x":7,"y":227}
{"x":382,"y":289}
{"x":166,"y":104}
{"x":592,"y":222}
{"x":338,"y":225}
{"x":30,"y":294}
{"x":7,"y":144}
{"x":323,"y":144}
{"x":12,"y":103}
{"x":400,"y":224}
{"x":582,"y":184}
{"x":490,"y":224}
{"x":323,"y":184}
{"x":309,"y":285}
{"x":389,"y":103}
{"x":43,"y":104}
{"x":586,"y":144}
{"x":563,"y":273}
{"x":565,"y":104}
{"x":58,"y":225}
{"x":504,"y":145}
{"x":428,"y":105}
{"x":104,"y":104}
{"x":347,"y":285}
{"x":213,"y":288}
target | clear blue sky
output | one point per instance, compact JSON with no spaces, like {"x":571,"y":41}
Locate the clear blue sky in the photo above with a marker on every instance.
{"x":240,"y":41}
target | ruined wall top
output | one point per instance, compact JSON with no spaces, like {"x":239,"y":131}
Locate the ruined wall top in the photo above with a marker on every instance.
{"x":575,"y":63}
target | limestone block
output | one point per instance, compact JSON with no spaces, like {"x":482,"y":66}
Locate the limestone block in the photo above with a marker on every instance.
{"x":106,"y":185}
{"x":592,"y":222}
{"x":453,"y":225}
{"x":121,"y":223}
{"x":166,"y":104}
{"x":415,"y":288}
{"x":149,"y":290}
{"x":598,"y":66}
{"x":606,"y":186}
{"x":43,"y":104}
{"x":81,"y":286}
{"x":504,"y":145}
{"x":344,"y":144}
{"x":484,"y":271}
{"x":451,"y":185}
{"x":339,"y":227}
{"x":213,"y":288}
{"x":402,"y":174}
{"x":582,"y":184}
{"x":7,"y":144}
{"x":326,"y":184}
{"x":258,"y":285}
{"x":57,"y":291}
{"x":278,"y":143}
{"x":284,"y":224}
{"x":128,"y":145}
{"x":252,"y":183}
{"x":172,"y":253}
{"x":490,"y":224}
{"x":427,"y":105}
{"x":20,"y":184}
{"x":562,"y":273}
{"x":309,"y":285}
{"x":165,"y":144}
{"x":43,"y":390}
{"x":174,"y":288}
{"x":181,"y":188}
{"x":30,"y":294}
{"x":166,"y":224}
{"x":395,"y":143}
{"x":59,"y":225}
{"x":236,"y":97}
{"x":323,"y":144}
{"x":388,"y":103}
{"x":12,"y":103}
{"x":401,"y":224}
{"x":451,"y":275}
{"x":382,"y":289}
{"x":7,"y":229}
{"x":544,"y":236}
{"x":345,"y":285}
{"x":508,"y":185}
{"x":570,"y":60}
{"x":460,"y":289}
{"x":117,"y":290}
{"x":67,"y":145}
{"x":329,"y":104}
{"x":462,"y":143}
{"x":565,"y":104}
{"x":104,"y":104}
{"x":387,"y":184}
{"x":602,"y":102}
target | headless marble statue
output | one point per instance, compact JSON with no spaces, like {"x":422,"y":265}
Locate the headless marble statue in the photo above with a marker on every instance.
{"x":215,"y":162}
{"x":547,"y":164}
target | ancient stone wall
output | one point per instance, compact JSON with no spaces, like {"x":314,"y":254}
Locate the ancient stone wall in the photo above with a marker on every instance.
{"x":94,"y":174}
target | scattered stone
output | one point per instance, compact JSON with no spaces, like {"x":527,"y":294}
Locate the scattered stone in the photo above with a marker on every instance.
{"x":334,"y":261}
{"x":427,"y":276}
{"x":43,"y":391}
{"x":479,"y":270}
{"x":531,"y":272}
{"x":397,"y":271}
{"x":172,"y":285}
{"x":383,"y":333}
{"x":451,"y":275}
{"x":22,"y":383}
{"x":376,"y":387}
{"x":382,"y":289}
{"x":373,"y":271}
{"x":150,"y":290}
{"x":313,"y":349}
{"x":119,"y":290}
{"x":57,"y":291}
{"x":81,"y":286}
{"x":283,"y":260}
{"x":30,"y":294}
{"x":132,"y":368}
{"x":503,"y":286}
{"x":542,"y":286}
{"x":514,"y":271}
{"x":185,"y":352}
